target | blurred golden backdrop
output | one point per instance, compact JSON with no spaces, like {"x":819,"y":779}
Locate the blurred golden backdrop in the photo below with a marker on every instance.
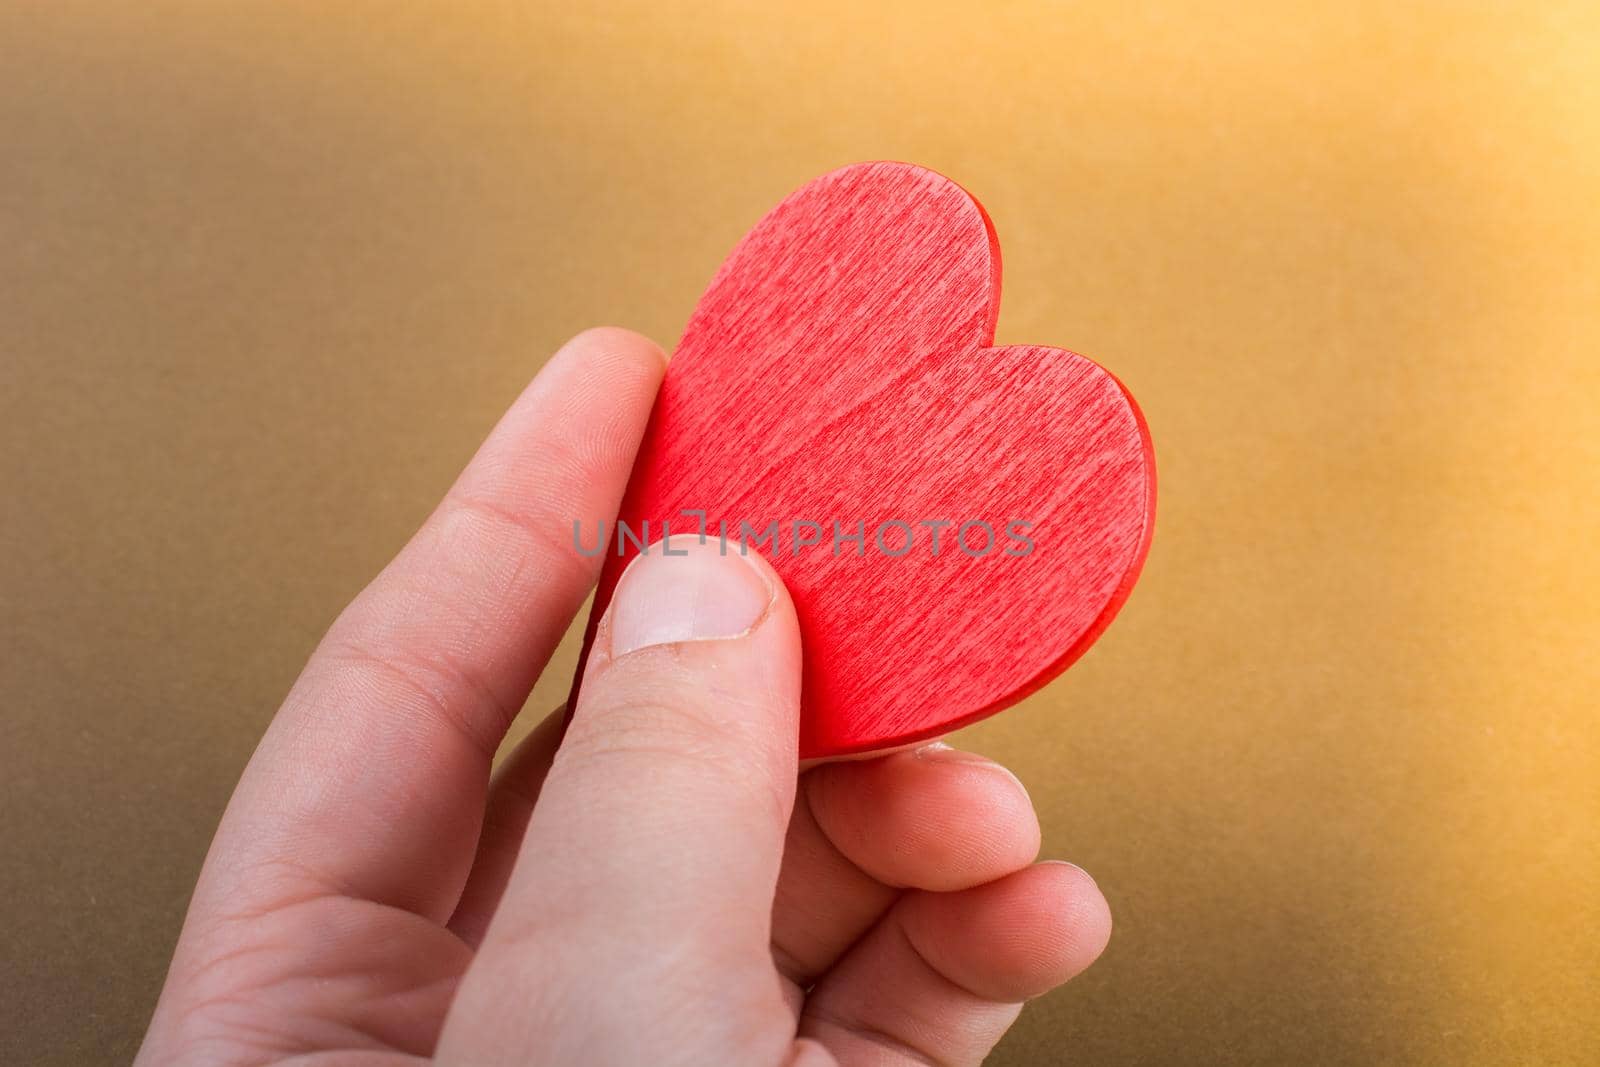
{"x":268,"y":272}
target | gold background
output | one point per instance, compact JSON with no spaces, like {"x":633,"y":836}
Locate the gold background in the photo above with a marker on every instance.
{"x":268,"y":272}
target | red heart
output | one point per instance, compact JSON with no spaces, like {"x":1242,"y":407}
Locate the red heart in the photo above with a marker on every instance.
{"x":838,"y":370}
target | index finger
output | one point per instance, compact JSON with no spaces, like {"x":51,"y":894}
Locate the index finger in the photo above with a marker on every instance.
{"x":371,"y":779}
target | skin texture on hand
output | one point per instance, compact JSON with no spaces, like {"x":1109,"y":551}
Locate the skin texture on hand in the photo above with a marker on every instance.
{"x":662,"y":884}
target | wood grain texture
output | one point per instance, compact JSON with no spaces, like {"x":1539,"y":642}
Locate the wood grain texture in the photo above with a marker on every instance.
{"x":838,"y":371}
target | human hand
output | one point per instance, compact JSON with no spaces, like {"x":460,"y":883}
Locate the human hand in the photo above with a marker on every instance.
{"x":659,"y":886}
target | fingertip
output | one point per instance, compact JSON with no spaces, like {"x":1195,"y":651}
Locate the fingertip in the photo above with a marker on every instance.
{"x":1068,"y":903}
{"x":573,"y":434}
{"x":619,"y":343}
{"x":1016,"y":938}
{"x":698,"y":595}
{"x":610,"y":372}
{"x":934,"y":818}
{"x":720,"y":620}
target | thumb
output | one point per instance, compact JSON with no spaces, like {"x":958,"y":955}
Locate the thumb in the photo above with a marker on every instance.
{"x":650,"y":862}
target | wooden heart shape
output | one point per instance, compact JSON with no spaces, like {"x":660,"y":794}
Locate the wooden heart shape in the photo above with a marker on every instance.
{"x":838,"y":370}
